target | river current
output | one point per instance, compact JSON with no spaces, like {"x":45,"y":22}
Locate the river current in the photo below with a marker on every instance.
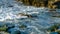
{"x":37,"y":25}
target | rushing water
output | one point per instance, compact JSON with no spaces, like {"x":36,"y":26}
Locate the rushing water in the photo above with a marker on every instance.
{"x":35,"y":25}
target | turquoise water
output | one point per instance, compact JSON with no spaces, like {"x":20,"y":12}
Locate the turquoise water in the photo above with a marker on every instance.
{"x":37,"y":25}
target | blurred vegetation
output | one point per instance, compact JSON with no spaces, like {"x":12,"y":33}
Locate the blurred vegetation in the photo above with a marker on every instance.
{"x":37,"y":3}
{"x":40,"y":3}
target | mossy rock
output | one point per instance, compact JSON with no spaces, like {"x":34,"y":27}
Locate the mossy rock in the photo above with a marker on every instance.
{"x":4,"y":28}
